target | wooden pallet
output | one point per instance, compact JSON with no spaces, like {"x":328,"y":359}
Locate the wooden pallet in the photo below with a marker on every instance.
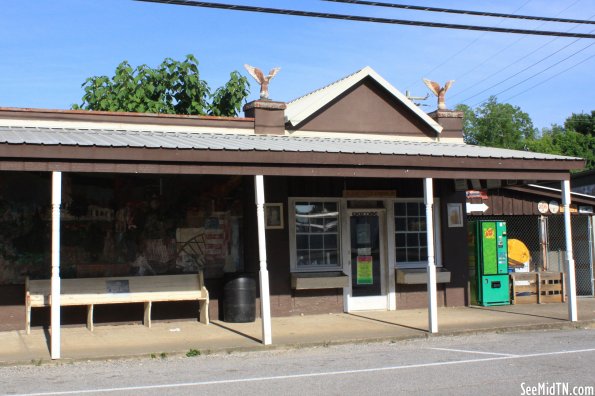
{"x":542,"y":287}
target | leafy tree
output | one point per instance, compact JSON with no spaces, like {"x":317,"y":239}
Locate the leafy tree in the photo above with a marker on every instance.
{"x":561,"y":141}
{"x":497,"y":125}
{"x":174,"y":87}
{"x":582,"y":123}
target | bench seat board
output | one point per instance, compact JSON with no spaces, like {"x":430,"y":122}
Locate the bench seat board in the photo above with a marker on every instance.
{"x":137,"y":289}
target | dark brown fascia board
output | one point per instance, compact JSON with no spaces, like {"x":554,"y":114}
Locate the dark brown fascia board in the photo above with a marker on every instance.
{"x":160,"y":155}
{"x":549,"y":194}
{"x":271,"y":170}
{"x":126,"y":118}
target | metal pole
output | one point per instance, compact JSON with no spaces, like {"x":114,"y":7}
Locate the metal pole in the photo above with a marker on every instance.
{"x":570,"y":276}
{"x":432,"y":294}
{"x":265,"y":298}
{"x":55,"y":282}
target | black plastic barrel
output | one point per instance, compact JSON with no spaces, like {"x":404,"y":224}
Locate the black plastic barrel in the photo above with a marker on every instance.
{"x":239,"y":298}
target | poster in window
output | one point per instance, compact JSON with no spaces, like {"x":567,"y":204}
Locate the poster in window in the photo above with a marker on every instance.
{"x":365,"y":276}
{"x":363,"y":234}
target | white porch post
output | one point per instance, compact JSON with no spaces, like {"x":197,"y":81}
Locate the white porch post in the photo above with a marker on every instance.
{"x":55,"y":283}
{"x":432,"y":296}
{"x":570,"y":276}
{"x":265,"y":298}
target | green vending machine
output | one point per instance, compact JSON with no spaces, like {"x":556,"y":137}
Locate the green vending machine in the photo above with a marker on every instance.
{"x":488,"y":262}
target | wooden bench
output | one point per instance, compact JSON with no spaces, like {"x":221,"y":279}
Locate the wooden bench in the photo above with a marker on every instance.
{"x":119,"y":290}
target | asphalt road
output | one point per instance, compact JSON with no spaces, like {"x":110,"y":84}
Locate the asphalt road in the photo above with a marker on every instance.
{"x":486,"y":364}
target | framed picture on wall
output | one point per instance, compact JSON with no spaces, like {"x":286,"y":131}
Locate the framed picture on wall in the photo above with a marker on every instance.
{"x":455,"y":214}
{"x":273,"y":215}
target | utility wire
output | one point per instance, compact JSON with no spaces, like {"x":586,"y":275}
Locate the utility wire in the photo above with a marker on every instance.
{"x":548,"y":79}
{"x":491,"y":57}
{"x":540,"y":72}
{"x":453,"y":56}
{"x":525,"y":69}
{"x":359,"y":18}
{"x":464,"y":12}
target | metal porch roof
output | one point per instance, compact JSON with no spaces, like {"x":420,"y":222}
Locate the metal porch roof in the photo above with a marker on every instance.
{"x":41,"y":136}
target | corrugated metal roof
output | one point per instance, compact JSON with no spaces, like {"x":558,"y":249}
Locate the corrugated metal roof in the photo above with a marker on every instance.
{"x":241,"y":142}
{"x":300,"y":109}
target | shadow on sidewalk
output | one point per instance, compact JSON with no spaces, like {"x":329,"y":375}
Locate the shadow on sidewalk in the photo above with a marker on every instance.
{"x":218,"y":324}
{"x":504,"y":310}
{"x":387,"y":322}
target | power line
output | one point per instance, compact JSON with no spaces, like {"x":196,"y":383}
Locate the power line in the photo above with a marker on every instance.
{"x":464,"y":12}
{"x":456,"y":54}
{"x":542,"y":71}
{"x":525,"y":69}
{"x":548,"y":79}
{"x":358,"y":18}
{"x":491,"y":57}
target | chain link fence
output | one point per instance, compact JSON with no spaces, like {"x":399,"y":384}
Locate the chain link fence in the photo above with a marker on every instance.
{"x":545,"y":238}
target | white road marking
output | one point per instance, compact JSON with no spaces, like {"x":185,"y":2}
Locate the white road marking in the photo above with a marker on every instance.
{"x":306,"y":375}
{"x":478,"y":352}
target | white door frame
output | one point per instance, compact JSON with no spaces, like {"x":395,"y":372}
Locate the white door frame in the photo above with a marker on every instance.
{"x":380,"y":302}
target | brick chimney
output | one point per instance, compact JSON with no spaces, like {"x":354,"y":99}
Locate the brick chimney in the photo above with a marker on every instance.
{"x":451,"y":121}
{"x":269,"y":116}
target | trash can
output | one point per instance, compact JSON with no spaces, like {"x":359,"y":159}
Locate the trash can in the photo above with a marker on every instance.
{"x":239,"y":298}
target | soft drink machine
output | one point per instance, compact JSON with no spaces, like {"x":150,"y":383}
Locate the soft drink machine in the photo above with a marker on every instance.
{"x":488,"y":262}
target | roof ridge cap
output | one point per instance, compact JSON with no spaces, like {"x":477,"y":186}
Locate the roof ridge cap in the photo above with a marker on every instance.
{"x":366,"y":68}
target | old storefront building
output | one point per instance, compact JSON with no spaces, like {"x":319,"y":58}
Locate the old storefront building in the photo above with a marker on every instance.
{"x":362,"y":200}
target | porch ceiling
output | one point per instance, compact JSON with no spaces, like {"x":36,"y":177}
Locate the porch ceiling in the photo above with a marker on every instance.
{"x":102,"y":150}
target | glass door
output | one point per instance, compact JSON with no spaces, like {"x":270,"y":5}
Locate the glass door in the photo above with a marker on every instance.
{"x":368,"y":260}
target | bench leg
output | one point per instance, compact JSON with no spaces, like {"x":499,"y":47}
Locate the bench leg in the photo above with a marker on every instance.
{"x":28,"y":319}
{"x":204,"y":311}
{"x":90,"y":317}
{"x":147,"y":318}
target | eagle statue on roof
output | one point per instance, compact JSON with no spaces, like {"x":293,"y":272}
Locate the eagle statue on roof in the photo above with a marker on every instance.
{"x":262,"y":79}
{"x":439,"y":92}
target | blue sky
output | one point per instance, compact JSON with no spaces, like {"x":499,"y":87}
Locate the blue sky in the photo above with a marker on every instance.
{"x":49,"y":47}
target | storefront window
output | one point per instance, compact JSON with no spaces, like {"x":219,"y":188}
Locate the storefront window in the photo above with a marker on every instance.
{"x":410,"y":234}
{"x":316,"y":226}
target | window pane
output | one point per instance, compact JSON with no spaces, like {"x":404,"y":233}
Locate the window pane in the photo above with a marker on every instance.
{"x":423,"y":239}
{"x":412,"y":240}
{"x":316,"y":242}
{"x":317,"y":257}
{"x":317,"y":225}
{"x":400,"y":209}
{"x":330,"y":242}
{"x":423,"y":254}
{"x":330,"y":225}
{"x":330,"y":257}
{"x":303,"y":258}
{"x":413,"y":254}
{"x":400,"y":240}
{"x":412,"y":209}
{"x":401,"y":255}
{"x":301,"y":242}
{"x":331,"y":207}
{"x":400,"y":224}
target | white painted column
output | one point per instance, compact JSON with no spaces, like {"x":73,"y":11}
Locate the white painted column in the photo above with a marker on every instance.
{"x":55,"y":282}
{"x":432,"y":293}
{"x":570,"y":273}
{"x":265,"y":298}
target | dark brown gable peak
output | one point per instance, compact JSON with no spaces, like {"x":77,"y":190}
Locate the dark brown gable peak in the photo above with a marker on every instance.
{"x":367,"y":108}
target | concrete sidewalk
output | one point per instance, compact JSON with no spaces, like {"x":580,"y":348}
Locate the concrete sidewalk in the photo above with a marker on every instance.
{"x":173,"y":338}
